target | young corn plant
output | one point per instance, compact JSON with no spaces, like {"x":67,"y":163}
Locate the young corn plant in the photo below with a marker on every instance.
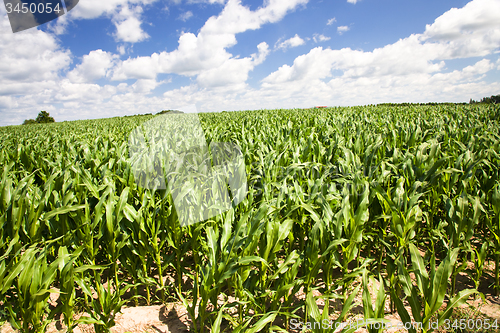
{"x":351,"y":218}
{"x":405,"y":214}
{"x":461,"y":224}
{"x":67,"y":291}
{"x":32,"y":277}
{"x":321,"y":322}
{"x":478,"y":257}
{"x":222,"y":263}
{"x":374,"y":316}
{"x":104,"y":306}
{"x":493,"y":222}
{"x":427,"y":294}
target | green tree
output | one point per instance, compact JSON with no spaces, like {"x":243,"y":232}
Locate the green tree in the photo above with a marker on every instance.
{"x":29,"y":121}
{"x":44,"y":117}
{"x":169,"y":112}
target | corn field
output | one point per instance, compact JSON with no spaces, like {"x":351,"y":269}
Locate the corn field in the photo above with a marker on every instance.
{"x":406,"y":196}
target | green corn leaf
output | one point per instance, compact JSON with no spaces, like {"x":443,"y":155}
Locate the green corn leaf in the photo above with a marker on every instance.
{"x":455,"y":302}
{"x":259,"y":325}
{"x":419,"y":269}
{"x":62,"y":210}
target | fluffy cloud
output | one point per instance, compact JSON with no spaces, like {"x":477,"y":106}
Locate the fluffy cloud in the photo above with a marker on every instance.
{"x":352,"y":1}
{"x":145,"y":86}
{"x":450,"y":36}
{"x":476,"y":17}
{"x":31,"y":56}
{"x":292,"y":42}
{"x":471,"y":31}
{"x":236,"y":18}
{"x":233,"y":71}
{"x":342,"y":29}
{"x":412,"y":69}
{"x":205,"y":54}
{"x":125,"y":15}
{"x":137,"y":68}
{"x":68,"y":91}
{"x":94,"y":66}
{"x":128,"y":25}
{"x":263,"y":49}
{"x":90,"y":9}
{"x":480,"y":67}
{"x":220,"y":2}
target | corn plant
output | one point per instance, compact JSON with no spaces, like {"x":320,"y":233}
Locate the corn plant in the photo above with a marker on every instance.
{"x":31,"y":276}
{"x":374,"y":316}
{"x":105,"y":306}
{"x":321,"y":318}
{"x":494,"y":226}
{"x":429,"y":291}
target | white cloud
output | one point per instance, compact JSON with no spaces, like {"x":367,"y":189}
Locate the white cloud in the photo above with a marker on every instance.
{"x":145,"y":86}
{"x":60,"y":25}
{"x":30,"y":56}
{"x":352,"y":1}
{"x":331,"y":21}
{"x":403,"y":57}
{"x":236,"y":18}
{"x":68,"y":91}
{"x":320,"y":38}
{"x":90,"y":9}
{"x":289,"y":43}
{"x":205,"y":54}
{"x":125,"y":15}
{"x":94,"y":66}
{"x":128,"y":25}
{"x":137,"y":68}
{"x":220,"y":2}
{"x":231,"y":72}
{"x":121,"y":49}
{"x":258,"y":58}
{"x":411,"y":68}
{"x":234,"y":71}
{"x":341,"y":29}
{"x":473,"y":30}
{"x":186,"y":16}
{"x":480,"y":67}
{"x":476,"y":17}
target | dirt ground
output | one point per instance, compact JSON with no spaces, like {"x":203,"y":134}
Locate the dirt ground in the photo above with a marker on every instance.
{"x":173,"y":318}
{"x":170,"y":318}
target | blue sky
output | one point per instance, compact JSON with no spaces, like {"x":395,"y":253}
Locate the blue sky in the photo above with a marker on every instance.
{"x":122,"y":57}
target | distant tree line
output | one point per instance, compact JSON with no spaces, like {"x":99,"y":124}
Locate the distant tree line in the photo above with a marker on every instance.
{"x":415,"y":104}
{"x":134,"y":115}
{"x":489,"y":100}
{"x":169,"y":112}
{"x":42,"y":118}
